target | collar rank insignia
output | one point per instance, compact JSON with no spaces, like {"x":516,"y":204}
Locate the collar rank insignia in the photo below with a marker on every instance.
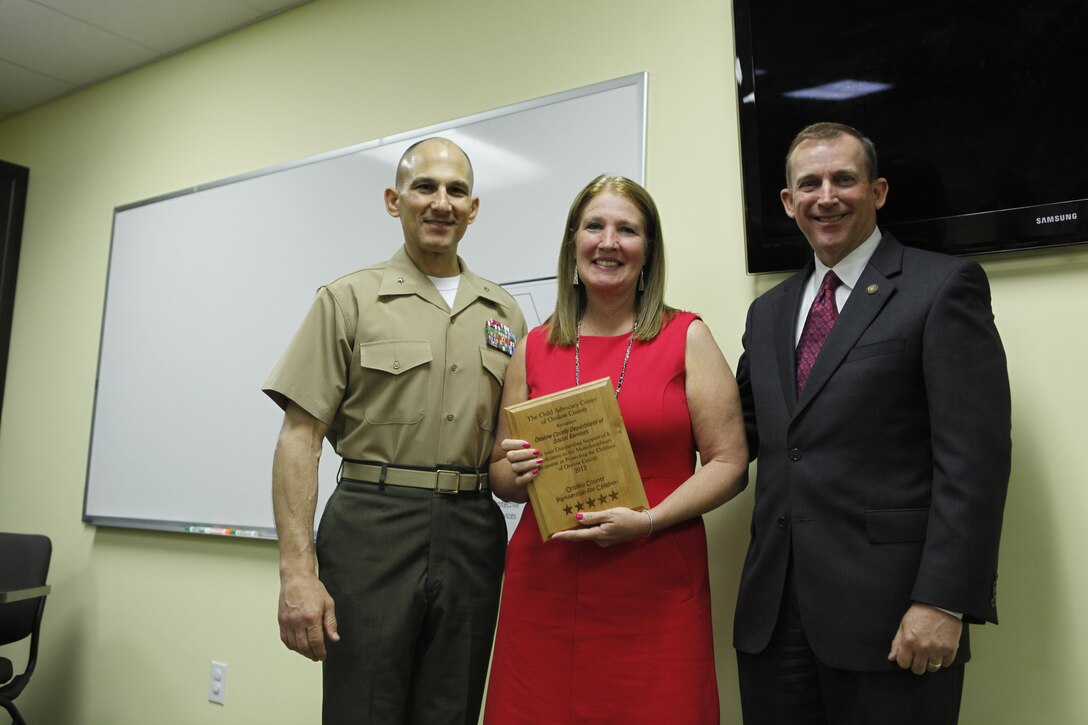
{"x":500,"y":337}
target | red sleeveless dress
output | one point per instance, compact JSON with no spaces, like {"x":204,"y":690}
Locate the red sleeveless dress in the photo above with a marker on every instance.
{"x":620,"y":634}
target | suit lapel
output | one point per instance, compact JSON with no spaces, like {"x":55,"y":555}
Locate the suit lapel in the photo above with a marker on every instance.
{"x":873,"y":290}
{"x":785,"y":333}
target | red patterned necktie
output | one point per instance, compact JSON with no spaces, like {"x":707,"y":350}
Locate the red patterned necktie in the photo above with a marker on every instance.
{"x":821,"y":318}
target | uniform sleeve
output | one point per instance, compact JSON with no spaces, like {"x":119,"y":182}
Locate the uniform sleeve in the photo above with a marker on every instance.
{"x":313,"y":370}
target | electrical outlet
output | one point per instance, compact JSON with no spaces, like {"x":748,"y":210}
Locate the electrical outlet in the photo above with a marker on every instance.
{"x":217,"y":683}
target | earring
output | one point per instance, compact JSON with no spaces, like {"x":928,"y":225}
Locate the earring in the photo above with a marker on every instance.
{"x":642,"y":280}
{"x":576,"y":280}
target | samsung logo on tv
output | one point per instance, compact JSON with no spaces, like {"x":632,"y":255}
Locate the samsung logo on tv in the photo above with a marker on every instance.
{"x":1055,"y":219}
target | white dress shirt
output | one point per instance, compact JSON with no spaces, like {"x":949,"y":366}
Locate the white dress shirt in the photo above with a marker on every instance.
{"x":848,"y":270}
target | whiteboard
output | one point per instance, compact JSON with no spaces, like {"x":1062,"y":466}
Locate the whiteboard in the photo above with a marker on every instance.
{"x":207,"y":285}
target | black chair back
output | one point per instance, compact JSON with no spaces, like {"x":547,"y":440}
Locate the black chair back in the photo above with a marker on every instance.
{"x":24,"y":564}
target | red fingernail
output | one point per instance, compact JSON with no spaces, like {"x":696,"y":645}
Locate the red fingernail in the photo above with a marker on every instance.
{"x":525,"y":445}
{"x":536,"y":452}
{"x":539,"y":461}
{"x":534,"y":471}
{"x":578,"y":516}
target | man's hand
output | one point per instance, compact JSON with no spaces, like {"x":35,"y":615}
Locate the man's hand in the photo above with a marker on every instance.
{"x":927,"y":639}
{"x":307,"y":615}
{"x":306,"y":610}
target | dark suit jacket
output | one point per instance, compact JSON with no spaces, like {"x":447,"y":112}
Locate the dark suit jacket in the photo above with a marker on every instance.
{"x":887,"y":478}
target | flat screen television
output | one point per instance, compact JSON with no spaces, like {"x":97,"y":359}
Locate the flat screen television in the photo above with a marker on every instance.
{"x":977,"y":110}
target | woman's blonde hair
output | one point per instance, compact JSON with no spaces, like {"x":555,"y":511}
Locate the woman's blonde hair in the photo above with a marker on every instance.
{"x":650,"y":304}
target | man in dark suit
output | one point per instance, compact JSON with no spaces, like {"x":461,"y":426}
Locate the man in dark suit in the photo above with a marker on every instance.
{"x":876,"y":398}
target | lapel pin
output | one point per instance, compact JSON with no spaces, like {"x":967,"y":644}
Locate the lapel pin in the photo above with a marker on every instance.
{"x":873,"y":289}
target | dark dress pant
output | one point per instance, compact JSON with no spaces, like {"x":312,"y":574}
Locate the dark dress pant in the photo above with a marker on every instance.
{"x":786,"y":684}
{"x":415,"y":578}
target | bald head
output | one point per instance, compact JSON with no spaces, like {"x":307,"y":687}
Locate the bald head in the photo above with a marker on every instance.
{"x":430,"y":149}
{"x":434,"y":203}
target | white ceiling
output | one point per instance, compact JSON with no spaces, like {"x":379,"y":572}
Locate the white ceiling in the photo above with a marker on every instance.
{"x":49,"y":48}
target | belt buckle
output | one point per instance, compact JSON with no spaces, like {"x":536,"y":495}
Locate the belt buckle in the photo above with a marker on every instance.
{"x":446,"y":481}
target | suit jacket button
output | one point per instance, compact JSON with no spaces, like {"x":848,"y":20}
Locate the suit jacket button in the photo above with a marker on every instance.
{"x":782,"y":521}
{"x":795,"y":454}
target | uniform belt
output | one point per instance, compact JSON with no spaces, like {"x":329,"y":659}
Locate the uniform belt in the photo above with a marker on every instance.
{"x":439,"y":479}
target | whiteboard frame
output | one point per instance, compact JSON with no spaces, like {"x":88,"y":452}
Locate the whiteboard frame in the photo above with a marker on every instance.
{"x":93,"y":515}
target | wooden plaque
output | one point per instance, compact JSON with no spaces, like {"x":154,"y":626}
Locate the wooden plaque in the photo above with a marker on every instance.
{"x":588,"y":462}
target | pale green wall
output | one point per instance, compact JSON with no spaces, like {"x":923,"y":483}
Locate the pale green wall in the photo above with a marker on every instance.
{"x":136,"y":618}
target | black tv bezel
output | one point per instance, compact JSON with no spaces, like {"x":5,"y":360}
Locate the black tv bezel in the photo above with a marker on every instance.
{"x":1040,"y":226}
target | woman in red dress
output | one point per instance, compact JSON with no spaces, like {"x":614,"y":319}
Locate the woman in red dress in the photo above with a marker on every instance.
{"x":610,"y":622}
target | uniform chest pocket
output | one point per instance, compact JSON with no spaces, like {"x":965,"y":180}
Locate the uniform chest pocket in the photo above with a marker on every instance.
{"x":492,"y":374}
{"x":396,"y":380}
